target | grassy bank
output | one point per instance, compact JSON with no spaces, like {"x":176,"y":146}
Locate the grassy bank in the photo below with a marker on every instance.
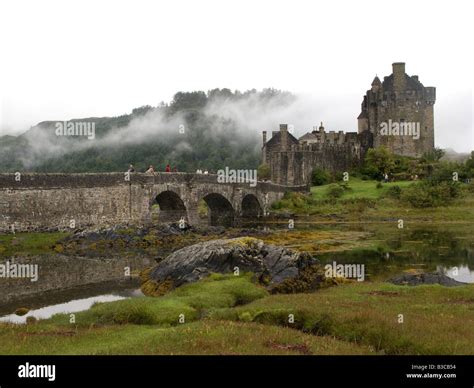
{"x":368,"y":201}
{"x":360,"y":189}
{"x":232,"y":315}
{"x":29,"y":243}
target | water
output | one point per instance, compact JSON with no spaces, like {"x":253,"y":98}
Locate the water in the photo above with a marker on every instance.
{"x":461,"y":274}
{"x":384,"y":250}
{"x":68,"y":301}
{"x":388,"y":252}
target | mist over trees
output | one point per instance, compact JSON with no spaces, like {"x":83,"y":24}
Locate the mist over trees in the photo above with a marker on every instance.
{"x":194,"y":130}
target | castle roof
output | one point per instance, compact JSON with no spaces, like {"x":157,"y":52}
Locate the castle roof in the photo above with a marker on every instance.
{"x":376,"y":81}
{"x":276,"y":139}
{"x":308,"y":136}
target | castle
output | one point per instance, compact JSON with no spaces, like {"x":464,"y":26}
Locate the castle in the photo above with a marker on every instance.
{"x":396,"y":113}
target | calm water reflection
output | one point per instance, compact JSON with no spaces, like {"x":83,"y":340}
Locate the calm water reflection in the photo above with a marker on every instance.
{"x":70,"y":301}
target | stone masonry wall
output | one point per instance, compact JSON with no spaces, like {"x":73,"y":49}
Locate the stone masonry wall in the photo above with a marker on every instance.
{"x":53,"y":201}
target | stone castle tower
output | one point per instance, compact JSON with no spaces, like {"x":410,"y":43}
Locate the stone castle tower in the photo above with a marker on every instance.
{"x":404,"y":106}
{"x":396,"y":113}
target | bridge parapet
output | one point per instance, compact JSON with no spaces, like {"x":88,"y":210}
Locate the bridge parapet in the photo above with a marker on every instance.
{"x":76,"y":180}
{"x":33,"y":201}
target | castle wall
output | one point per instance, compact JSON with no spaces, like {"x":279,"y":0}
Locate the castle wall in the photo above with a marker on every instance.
{"x":295,"y":167}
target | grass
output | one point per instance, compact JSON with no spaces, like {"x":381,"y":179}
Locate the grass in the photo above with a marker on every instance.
{"x":360,"y":189}
{"x":29,"y":243}
{"x":203,"y":337}
{"x":436,"y":319}
{"x":192,"y":300}
{"x":364,"y":202}
{"x":232,"y":315}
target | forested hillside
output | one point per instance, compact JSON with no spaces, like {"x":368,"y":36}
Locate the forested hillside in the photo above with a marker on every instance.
{"x":195,"y":130}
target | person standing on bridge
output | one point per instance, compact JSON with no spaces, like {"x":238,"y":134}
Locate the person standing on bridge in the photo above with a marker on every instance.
{"x":131,"y":168}
{"x":150,"y":170}
{"x":168,"y":168}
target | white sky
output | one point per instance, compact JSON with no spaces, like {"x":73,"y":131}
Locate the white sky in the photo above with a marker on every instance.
{"x":69,"y":59}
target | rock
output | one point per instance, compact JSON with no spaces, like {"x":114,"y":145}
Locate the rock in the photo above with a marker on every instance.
{"x":31,"y":320}
{"x":425,"y":278}
{"x":271,"y":264}
{"x":21,"y":311}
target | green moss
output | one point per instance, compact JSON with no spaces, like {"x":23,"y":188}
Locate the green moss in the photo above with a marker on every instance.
{"x":30,"y":243}
{"x":246,"y":242}
{"x":152,"y":288}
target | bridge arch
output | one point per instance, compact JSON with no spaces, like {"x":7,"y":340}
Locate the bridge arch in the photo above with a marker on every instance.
{"x":251,"y":207}
{"x":171,"y":207}
{"x":221,"y":211}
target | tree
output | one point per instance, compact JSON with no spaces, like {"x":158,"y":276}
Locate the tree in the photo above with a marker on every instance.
{"x":320,"y":177}
{"x":379,"y":160}
{"x":141,"y":110}
{"x":188,"y":100}
{"x":263,"y":172}
{"x":433,"y":156}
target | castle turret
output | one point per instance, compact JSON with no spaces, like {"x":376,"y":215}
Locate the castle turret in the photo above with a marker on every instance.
{"x":376,"y":84}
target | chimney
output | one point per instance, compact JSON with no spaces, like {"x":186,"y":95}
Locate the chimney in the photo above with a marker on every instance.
{"x":264,"y":148}
{"x":399,"y":80}
{"x":284,"y":137}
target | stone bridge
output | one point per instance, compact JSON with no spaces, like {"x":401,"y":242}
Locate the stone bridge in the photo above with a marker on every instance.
{"x":60,"y":201}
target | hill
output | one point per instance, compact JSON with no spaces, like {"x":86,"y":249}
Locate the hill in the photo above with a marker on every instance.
{"x":195,"y":130}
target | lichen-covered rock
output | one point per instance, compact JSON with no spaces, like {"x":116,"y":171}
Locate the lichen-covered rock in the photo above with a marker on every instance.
{"x":272,"y":265}
{"x":425,"y":278}
{"x":22,"y":311}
